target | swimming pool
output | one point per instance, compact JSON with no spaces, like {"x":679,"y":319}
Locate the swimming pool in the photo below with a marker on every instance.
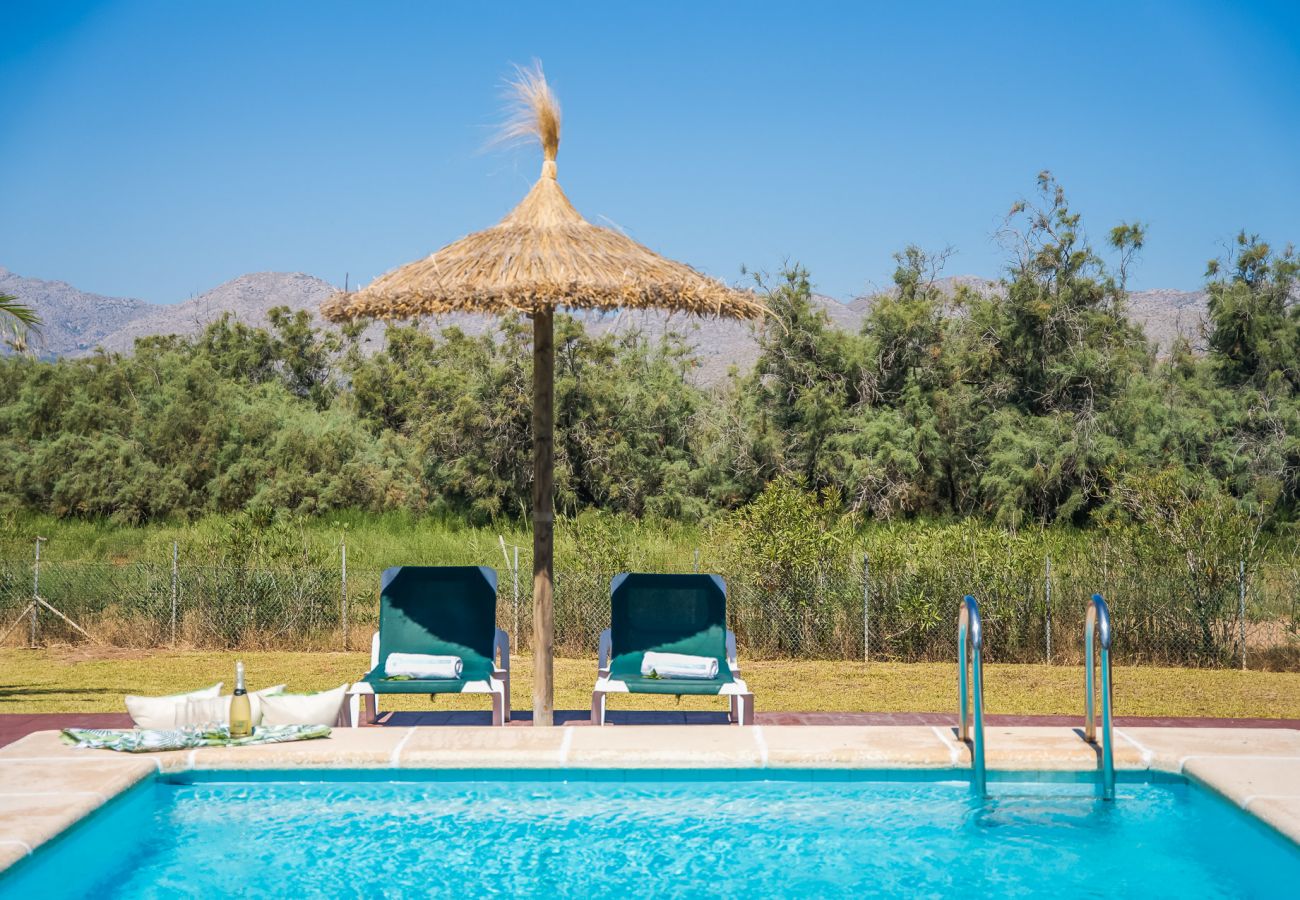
{"x":707,"y":833}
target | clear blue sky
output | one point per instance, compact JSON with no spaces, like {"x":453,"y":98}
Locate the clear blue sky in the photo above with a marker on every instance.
{"x":156,"y":149}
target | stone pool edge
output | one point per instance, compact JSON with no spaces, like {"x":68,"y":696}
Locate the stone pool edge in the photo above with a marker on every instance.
{"x":45,"y":786}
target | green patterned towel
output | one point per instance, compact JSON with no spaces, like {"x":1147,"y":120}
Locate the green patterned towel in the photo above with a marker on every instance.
{"x":142,"y":740}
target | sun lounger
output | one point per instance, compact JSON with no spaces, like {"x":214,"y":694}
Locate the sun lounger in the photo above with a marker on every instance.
{"x":438,"y":611}
{"x":678,"y":614}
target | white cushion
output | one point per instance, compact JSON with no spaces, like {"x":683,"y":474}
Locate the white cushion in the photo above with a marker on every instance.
{"x":216,"y":710}
{"x":164,"y":713}
{"x":304,"y":709}
{"x":257,"y":697}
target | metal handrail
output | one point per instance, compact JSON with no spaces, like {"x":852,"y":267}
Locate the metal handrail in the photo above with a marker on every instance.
{"x":971,"y":635}
{"x":1098,"y":621}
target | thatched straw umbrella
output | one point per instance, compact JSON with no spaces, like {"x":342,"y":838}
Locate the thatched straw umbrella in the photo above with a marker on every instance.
{"x":540,"y":257}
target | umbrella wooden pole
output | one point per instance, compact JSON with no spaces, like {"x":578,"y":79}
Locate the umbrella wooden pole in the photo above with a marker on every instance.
{"x":543,"y":515}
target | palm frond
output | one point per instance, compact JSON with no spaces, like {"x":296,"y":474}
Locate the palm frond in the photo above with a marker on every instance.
{"x":17,"y":315}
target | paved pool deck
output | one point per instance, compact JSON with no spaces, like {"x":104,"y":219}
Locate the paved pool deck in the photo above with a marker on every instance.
{"x":46,"y":786}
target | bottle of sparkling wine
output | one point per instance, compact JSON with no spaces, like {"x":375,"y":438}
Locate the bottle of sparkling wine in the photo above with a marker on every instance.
{"x":241,"y":708}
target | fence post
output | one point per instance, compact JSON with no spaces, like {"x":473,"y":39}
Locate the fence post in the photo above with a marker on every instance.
{"x":343,"y":611}
{"x":697,"y":560}
{"x":175,"y":585}
{"x":866,"y":608}
{"x":36,"y":591}
{"x":1047,"y":600}
{"x":1241,"y":609}
{"x":514,"y":585}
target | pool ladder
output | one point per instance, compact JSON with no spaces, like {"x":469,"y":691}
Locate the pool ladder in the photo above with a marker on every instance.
{"x":1098,"y":621}
{"x":970,"y":641}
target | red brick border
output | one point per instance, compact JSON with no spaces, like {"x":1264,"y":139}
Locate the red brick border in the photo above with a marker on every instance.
{"x":17,"y":725}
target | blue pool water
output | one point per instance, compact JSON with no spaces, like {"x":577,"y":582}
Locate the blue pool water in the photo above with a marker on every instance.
{"x":714,"y":834}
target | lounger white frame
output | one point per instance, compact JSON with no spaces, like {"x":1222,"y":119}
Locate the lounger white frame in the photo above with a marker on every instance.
{"x":742,"y":700}
{"x":498,"y":685}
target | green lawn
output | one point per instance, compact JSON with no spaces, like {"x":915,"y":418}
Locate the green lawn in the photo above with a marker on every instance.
{"x":84,"y":680}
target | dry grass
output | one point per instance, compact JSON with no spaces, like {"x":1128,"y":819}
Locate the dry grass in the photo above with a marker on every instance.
{"x":94,"y":680}
{"x":534,"y":113}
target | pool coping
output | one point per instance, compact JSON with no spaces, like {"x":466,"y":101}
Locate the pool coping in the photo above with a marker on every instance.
{"x":46,"y":786}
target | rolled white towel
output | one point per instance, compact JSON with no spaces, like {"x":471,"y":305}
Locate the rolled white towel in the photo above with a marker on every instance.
{"x":679,"y":665}
{"x":421,"y":666}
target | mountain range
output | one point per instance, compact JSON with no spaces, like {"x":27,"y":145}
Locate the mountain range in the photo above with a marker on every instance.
{"x":77,"y":323}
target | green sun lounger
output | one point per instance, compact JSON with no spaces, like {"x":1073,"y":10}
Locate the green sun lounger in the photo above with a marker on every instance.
{"x":441,"y":611}
{"x":668,"y":614}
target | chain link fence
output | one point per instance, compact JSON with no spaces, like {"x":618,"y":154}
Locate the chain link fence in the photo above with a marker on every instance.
{"x":1248,"y":618}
